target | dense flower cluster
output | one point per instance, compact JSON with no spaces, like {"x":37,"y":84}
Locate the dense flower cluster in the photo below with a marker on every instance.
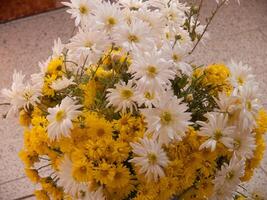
{"x":117,"y":112}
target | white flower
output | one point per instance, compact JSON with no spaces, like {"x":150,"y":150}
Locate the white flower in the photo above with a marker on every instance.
{"x":132,"y":4}
{"x":108,"y":16}
{"x":122,"y":97}
{"x":89,"y":43}
{"x":80,"y":9}
{"x":135,"y":35}
{"x":63,"y":83}
{"x":217,"y":130}
{"x":169,"y":120}
{"x":240,"y":74}
{"x":57,"y":48}
{"x":154,"y":20}
{"x":150,"y":157}
{"x":244,"y":143}
{"x":66,"y":180}
{"x":151,"y":70}
{"x":175,"y":54}
{"x":227,"y":104}
{"x":250,"y":104}
{"x":147,"y":98}
{"x":227,"y":179}
{"x":60,"y":118}
{"x":93,"y":195}
{"x":20,"y":95}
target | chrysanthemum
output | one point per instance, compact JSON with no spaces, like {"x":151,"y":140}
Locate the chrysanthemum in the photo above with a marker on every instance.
{"x":94,"y":195}
{"x":89,"y":43}
{"x":134,"y":35}
{"x":108,"y":16}
{"x":66,"y":180}
{"x":228,"y":177}
{"x":147,"y":98}
{"x":151,"y":70}
{"x":150,"y":157}
{"x":240,"y":74}
{"x":169,"y":120}
{"x":250,"y":104}
{"x":122,"y":97}
{"x":80,"y":9}
{"x":20,"y":95}
{"x":132,"y":4}
{"x":63,"y":83}
{"x":216,"y":130}
{"x":57,"y":48}
{"x":175,"y":55}
{"x":60,"y":118}
{"x":244,"y":143}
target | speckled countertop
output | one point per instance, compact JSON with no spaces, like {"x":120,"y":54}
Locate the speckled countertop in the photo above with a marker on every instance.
{"x":238,"y":32}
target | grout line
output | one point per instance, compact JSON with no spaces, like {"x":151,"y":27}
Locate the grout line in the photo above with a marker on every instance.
{"x":25,"y":197}
{"x":3,"y":183}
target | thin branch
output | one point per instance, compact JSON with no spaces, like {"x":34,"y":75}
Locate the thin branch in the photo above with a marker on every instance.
{"x":208,"y":23}
{"x":43,"y":167}
{"x":4,"y":104}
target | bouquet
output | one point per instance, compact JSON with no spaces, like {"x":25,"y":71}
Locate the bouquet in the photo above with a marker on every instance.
{"x":117,"y":113}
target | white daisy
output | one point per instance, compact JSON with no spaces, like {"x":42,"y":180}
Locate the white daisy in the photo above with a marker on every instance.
{"x":150,"y":157}
{"x":107,"y":16}
{"x":154,"y":20}
{"x":122,"y":97}
{"x":57,"y":48}
{"x":66,"y":180}
{"x":217,"y":130}
{"x":20,"y":95}
{"x":132,"y":4}
{"x":135,"y":35}
{"x":175,"y":54}
{"x":89,"y":43}
{"x":60,"y":118}
{"x":244,"y":143}
{"x":250,"y":104}
{"x":93,"y":195}
{"x":228,"y":177}
{"x":240,"y":74}
{"x":227,"y":104}
{"x":169,"y":120}
{"x":80,"y":9}
{"x":151,"y":70}
{"x":62,"y":83}
{"x":147,"y":98}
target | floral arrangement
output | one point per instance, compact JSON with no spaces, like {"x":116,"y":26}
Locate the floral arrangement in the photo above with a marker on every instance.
{"x":118,"y":114}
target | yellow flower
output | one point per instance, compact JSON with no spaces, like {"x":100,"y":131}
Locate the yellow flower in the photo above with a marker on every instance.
{"x":56,"y":67}
{"x":47,"y":90}
{"x":41,"y":195}
{"x":89,"y":93}
{"x":261,"y":122}
{"x":81,"y":171}
{"x":121,"y":177}
{"x":24,"y":118}
{"x":104,"y":173}
{"x":215,"y":75}
{"x":32,"y":174}
{"x":28,"y":158}
{"x":98,"y":127}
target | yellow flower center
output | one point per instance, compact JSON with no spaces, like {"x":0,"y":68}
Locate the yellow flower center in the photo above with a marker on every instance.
{"x":249,"y":105}
{"x":133,"y":38}
{"x":27,"y":95}
{"x":166,"y":118}
{"x":152,"y":158}
{"x":111,"y":21}
{"x":240,"y":80}
{"x":230,"y":175}
{"x":149,"y":96}
{"x":126,"y":94}
{"x":151,"y":71}
{"x":60,"y":115}
{"x":100,"y":132}
{"x":176,"y":58}
{"x":88,"y":44}
{"x":217,"y":134}
{"x":237,"y":144}
{"x":83,"y":9}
